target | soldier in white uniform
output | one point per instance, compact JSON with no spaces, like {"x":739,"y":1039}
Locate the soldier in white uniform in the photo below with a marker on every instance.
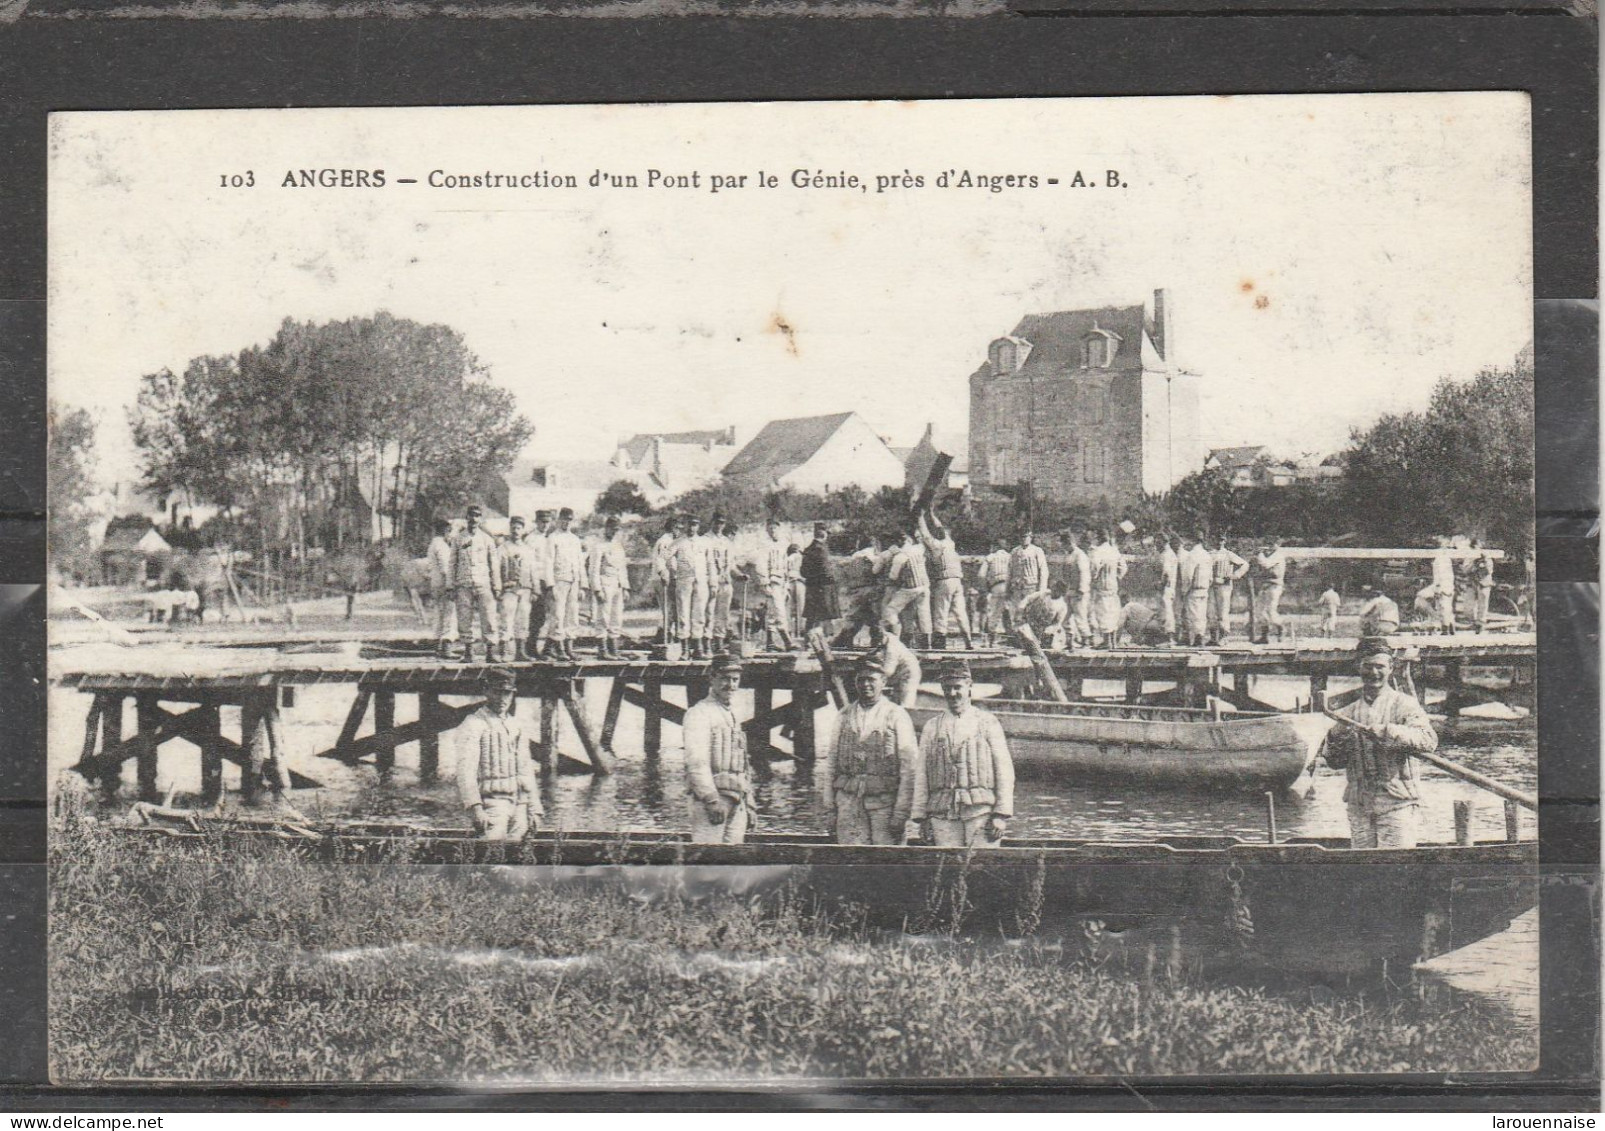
{"x":963,"y":774}
{"x":518,"y":582}
{"x":908,"y":587}
{"x":721,"y":584}
{"x":495,"y":774}
{"x":610,"y":586}
{"x":539,"y":542}
{"x":1197,"y":570}
{"x":1169,"y":586}
{"x":660,"y":577}
{"x":868,"y":775}
{"x":477,"y":581}
{"x":994,"y":582}
{"x":1077,"y":592}
{"x":1108,"y":566}
{"x":771,"y":565}
{"x":718,"y":776}
{"x":1225,"y":568}
{"x":900,"y":667}
{"x":688,"y":574}
{"x":1443,"y":588}
{"x":947,"y":573}
{"x":1382,"y":728}
{"x":1028,"y":571}
{"x":442,"y":575}
{"x":566,"y":576}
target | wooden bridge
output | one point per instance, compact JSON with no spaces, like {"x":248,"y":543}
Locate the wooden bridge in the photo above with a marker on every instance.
{"x":171,"y":699}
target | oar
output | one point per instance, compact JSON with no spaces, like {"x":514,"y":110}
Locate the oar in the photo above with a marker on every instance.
{"x":1455,"y":769}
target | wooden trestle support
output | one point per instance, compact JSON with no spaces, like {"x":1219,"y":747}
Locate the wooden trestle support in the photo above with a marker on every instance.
{"x":190,"y":707}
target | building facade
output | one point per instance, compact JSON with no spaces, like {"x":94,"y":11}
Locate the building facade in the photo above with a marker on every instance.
{"x":816,"y":454}
{"x":1083,"y":406}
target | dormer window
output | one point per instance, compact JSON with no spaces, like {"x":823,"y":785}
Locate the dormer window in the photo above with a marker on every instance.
{"x":1004,"y":357}
{"x":1098,"y":348}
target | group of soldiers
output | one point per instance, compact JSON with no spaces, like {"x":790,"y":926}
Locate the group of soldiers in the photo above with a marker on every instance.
{"x":955,"y":783}
{"x":522,"y":593}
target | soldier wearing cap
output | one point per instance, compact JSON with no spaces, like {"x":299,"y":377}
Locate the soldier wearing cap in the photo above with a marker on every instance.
{"x":1377,"y":730}
{"x":688,"y":575}
{"x":565,"y":574}
{"x":868,"y":776}
{"x":442,"y":576}
{"x":516,"y":561}
{"x":900,"y":667}
{"x":495,"y":774}
{"x":477,"y":582}
{"x":1379,"y":615}
{"x":821,"y":603}
{"x":718,"y":777}
{"x":540,"y":600}
{"x":963,"y":774}
{"x":610,"y":586}
{"x":718,"y":546}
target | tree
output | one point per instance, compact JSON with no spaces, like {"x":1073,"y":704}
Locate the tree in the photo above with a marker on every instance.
{"x":71,"y":472}
{"x":1465,"y":465}
{"x":370,"y":418}
{"x":622,"y":497}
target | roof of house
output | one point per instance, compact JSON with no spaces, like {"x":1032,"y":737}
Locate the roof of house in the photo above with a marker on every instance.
{"x":782,"y":446}
{"x":571,"y":474}
{"x":1233,"y":458}
{"x":638,"y":445}
{"x":145,"y":540}
{"x":1056,"y":338}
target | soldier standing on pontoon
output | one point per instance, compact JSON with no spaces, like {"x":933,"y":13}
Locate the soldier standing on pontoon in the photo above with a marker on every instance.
{"x":963,"y":774}
{"x":868,"y":775}
{"x":718,"y":776}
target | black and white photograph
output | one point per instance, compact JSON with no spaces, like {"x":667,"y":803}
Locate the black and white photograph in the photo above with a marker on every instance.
{"x":761,"y":594}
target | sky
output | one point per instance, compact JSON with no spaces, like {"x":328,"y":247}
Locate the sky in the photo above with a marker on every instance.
{"x":1328,"y":258}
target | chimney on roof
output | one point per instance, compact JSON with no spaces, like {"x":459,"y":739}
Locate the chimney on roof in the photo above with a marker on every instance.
{"x":1163,"y":339}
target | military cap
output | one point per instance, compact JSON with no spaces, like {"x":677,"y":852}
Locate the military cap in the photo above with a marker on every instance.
{"x":873,"y":660}
{"x":475,"y":508}
{"x":954,"y":668}
{"x":725,"y":662}
{"x":516,"y":520}
{"x":566,"y":512}
{"x":1373,"y":646}
{"x":542,"y":514}
{"x":500,"y":679}
{"x":612,"y":522}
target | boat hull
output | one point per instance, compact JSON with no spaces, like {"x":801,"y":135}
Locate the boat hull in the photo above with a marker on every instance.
{"x":1303,"y":906}
{"x":1159,"y":746}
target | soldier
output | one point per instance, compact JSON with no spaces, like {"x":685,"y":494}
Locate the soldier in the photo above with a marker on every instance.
{"x":442,"y":573}
{"x":721,"y":583}
{"x":899,"y":666}
{"x":771,"y":567}
{"x":861,"y":572}
{"x":518,"y":581}
{"x":1329,"y":602}
{"x":1375,"y":732}
{"x":539,"y":542}
{"x":908,"y":587}
{"x":1169,"y":586}
{"x":1480,"y":572}
{"x":1271,"y":574}
{"x":796,"y":589}
{"x":1028,"y":571}
{"x":718,"y":779}
{"x":1077,"y":592}
{"x":565,"y":573}
{"x":1108,"y":566}
{"x":660,"y":575}
{"x":477,"y":582}
{"x":963,"y":774}
{"x":994,"y":581}
{"x":688,"y":575}
{"x":1225,"y":568}
{"x":821,"y":604}
{"x":495,"y":774}
{"x":1443,"y":587}
{"x":868,"y":775}
{"x":1379,"y":615}
{"x":610,"y":584}
{"x":1197,"y":569}
{"x":1046,"y":612}
{"x":948,"y":571}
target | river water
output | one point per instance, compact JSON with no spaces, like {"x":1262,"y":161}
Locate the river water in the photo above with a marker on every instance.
{"x":649,"y":793}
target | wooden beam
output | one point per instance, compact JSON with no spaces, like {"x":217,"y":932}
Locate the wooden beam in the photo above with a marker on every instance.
{"x":354,"y":717}
{"x":254,"y":745}
{"x":384,"y":723}
{"x":445,"y":719}
{"x":574,"y":699}
{"x":658,"y":709}
{"x":429,"y":741}
{"x":1381,"y":554}
{"x":149,"y":714}
{"x":651,"y":702}
{"x":210,"y":720}
{"x":802,"y":722}
{"x":610,"y":717}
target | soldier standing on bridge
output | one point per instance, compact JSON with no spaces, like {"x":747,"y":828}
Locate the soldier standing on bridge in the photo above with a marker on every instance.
{"x":718,"y":776}
{"x":1077,"y":592}
{"x":1271,"y":574}
{"x":1108,"y":566}
{"x":539,"y":542}
{"x":442,"y":575}
{"x":947,"y":571}
{"x":963,"y":774}
{"x":688,"y":574}
{"x":1028,"y":571}
{"x":1480,"y":573}
{"x":1375,"y":731}
{"x":566,"y":576}
{"x":495,"y":774}
{"x":1169,"y":584}
{"x":994,"y":583}
{"x":477,"y":579}
{"x":1197,"y":570}
{"x":868,"y":774}
{"x":1379,"y":615}
{"x":517,"y":563}
{"x":610,"y":584}
{"x":1225,"y":568}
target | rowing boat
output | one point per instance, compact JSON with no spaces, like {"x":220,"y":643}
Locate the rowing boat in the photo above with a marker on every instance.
{"x":1310,"y":905}
{"x":1173,"y":746}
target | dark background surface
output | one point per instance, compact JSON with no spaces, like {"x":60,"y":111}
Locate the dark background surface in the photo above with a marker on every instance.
{"x":48,"y":64}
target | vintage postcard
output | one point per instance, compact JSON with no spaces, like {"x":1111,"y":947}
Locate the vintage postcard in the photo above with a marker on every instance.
{"x":767,"y":593}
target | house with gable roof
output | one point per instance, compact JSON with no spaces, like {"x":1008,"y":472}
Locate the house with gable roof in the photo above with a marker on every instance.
{"x":816,"y":454}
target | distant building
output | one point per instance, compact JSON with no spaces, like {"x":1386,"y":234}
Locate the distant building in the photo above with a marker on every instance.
{"x":540,"y":484}
{"x":675,"y":462}
{"x":917,"y":463}
{"x":1085,"y":405}
{"x":816,"y":454}
{"x":133,"y":552}
{"x":1238,"y":463}
{"x":1253,"y":465}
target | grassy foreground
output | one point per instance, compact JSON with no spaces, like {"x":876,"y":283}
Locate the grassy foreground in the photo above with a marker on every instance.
{"x":172,"y":962}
